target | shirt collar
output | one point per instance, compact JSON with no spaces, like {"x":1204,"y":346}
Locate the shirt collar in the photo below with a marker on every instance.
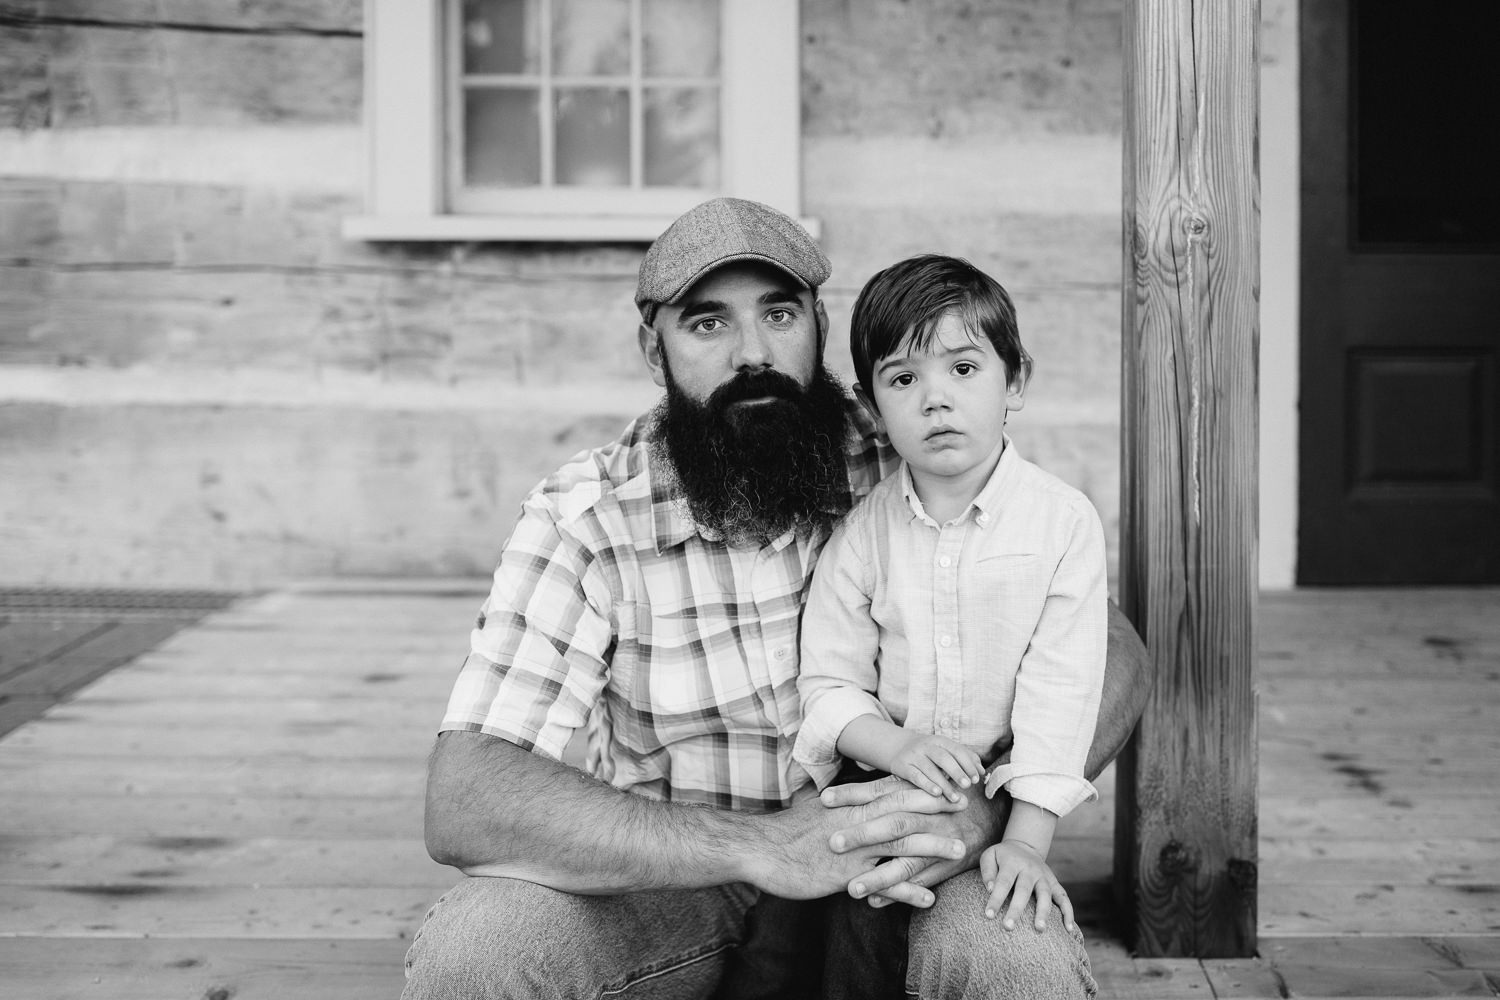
{"x":990,"y":497}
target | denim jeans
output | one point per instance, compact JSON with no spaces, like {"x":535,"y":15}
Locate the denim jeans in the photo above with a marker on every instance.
{"x":496,"y":937}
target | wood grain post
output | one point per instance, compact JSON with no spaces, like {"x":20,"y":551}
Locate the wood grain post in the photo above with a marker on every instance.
{"x":1185,"y":830}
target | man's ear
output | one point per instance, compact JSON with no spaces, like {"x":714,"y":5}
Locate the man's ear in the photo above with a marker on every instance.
{"x":650,"y":344}
{"x":820,"y":317}
{"x":868,"y":403}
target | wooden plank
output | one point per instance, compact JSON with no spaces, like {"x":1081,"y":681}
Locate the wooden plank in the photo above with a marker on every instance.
{"x":266,"y":776}
{"x":60,"y":969}
{"x":165,"y":910}
{"x":1366,"y":817}
{"x":1185,"y":834}
{"x":1438,"y":861}
{"x":1383,"y":909}
{"x":102,"y":859}
{"x":280,"y":774}
{"x":324,"y":741}
{"x":194,"y":816}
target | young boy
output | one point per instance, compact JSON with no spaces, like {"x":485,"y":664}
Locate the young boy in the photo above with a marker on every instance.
{"x":960,"y":609}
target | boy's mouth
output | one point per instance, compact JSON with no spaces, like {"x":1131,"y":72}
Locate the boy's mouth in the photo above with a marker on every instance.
{"x":939,"y":432}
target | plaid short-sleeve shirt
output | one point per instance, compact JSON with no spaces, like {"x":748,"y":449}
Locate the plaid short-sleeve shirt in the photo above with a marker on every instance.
{"x":612,"y":610}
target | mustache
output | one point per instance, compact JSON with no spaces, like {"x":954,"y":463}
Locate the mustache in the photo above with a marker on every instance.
{"x":755,"y":385}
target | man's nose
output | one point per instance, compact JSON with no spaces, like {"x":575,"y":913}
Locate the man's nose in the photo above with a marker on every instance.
{"x":752,"y":349}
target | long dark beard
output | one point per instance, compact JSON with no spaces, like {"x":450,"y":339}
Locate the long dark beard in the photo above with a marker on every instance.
{"x":753,"y":473}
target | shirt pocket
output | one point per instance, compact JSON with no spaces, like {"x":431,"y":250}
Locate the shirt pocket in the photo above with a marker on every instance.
{"x":1006,"y":595}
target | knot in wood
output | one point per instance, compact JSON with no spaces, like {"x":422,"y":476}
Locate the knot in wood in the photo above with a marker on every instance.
{"x":1176,"y":859}
{"x":1195,"y":225}
{"x":1243,"y":875}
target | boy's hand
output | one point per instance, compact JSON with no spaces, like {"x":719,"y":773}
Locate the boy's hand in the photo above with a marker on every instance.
{"x":936,"y":764}
{"x":1015,"y":869}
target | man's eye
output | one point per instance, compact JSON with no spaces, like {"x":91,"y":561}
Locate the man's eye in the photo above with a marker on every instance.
{"x":779,"y":316}
{"x":709,"y":324}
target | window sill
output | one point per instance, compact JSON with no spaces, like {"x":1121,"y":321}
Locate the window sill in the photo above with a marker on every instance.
{"x":516,"y":228}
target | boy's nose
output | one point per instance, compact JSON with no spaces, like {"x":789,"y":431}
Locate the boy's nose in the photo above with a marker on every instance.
{"x":935,"y":399}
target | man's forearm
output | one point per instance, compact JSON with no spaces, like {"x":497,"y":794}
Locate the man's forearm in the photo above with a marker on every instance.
{"x":495,"y":809}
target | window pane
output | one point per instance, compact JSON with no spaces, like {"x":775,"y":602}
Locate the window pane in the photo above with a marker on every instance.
{"x":502,"y":138}
{"x":591,"y":37}
{"x":502,"y":36}
{"x":682,"y":137}
{"x":680,"y":37}
{"x":593,"y":137}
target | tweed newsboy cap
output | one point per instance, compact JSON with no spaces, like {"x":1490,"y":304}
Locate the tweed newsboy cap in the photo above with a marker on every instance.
{"x":717,"y":232}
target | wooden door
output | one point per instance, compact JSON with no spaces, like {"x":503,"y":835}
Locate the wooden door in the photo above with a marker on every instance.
{"x":1400,"y":290}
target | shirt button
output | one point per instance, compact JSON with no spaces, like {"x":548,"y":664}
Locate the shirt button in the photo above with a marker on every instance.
{"x":945,"y":562}
{"x":984,"y":519}
{"x":946,"y":641}
{"x":781,"y":653}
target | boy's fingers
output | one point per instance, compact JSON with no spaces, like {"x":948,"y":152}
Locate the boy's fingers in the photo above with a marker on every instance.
{"x":1043,"y":905}
{"x":998,"y":891}
{"x":1065,"y":907}
{"x":1020,"y":895}
{"x":926,"y":776}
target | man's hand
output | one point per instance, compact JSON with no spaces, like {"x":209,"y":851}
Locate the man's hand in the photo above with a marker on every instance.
{"x":810,"y":849}
{"x":1015,"y":869}
{"x":936,"y":763}
{"x":900,"y":837}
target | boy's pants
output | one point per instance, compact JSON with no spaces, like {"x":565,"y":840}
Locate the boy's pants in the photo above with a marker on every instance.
{"x":497,"y":937}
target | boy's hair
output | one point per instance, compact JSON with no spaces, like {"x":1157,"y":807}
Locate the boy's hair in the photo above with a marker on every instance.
{"x":905,"y":302}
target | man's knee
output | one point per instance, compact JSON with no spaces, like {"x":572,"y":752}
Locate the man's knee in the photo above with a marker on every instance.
{"x":495,"y":937}
{"x":956,"y":952}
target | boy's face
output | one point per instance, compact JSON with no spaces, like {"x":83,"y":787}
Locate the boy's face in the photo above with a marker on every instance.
{"x":945,"y":408}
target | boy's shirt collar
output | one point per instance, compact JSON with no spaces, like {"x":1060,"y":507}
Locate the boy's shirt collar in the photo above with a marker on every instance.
{"x":985,"y":505}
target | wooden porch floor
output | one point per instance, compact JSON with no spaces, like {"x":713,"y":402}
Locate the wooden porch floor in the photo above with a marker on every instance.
{"x":237,"y":812}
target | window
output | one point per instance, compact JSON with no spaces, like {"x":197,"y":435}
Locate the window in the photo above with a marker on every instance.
{"x":574,"y":119}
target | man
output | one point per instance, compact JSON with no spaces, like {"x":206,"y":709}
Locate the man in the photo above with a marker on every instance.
{"x":649,"y":597}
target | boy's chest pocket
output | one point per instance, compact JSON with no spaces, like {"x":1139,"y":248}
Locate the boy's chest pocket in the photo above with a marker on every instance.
{"x":1006,"y":593}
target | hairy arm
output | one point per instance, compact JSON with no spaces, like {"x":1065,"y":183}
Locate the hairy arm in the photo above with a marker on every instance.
{"x":495,"y":809}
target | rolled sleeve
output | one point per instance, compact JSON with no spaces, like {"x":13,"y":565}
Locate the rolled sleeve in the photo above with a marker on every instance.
{"x":1061,"y":677}
{"x":837,"y":675}
{"x":536,"y":663}
{"x":1059,"y":794}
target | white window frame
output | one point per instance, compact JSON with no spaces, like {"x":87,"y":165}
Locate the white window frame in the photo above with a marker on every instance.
{"x":405,"y":84}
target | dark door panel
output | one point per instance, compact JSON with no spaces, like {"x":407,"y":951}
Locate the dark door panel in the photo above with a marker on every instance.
{"x":1400,"y":430}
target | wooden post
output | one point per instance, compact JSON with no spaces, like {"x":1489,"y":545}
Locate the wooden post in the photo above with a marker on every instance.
{"x":1185,"y":830}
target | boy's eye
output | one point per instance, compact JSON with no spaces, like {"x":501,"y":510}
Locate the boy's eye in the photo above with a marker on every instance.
{"x":902,"y":379}
{"x":964,"y":368}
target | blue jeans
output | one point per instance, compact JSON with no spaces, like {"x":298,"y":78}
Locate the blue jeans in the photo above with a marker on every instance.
{"x":496,"y":937}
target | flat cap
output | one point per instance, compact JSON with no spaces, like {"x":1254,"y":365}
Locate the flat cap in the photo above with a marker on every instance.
{"x":718,"y":232}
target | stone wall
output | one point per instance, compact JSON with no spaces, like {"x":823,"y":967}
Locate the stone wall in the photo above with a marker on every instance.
{"x":202,"y":383}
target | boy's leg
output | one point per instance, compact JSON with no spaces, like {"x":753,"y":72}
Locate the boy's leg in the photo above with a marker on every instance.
{"x":497,"y":937}
{"x":955,"y":952}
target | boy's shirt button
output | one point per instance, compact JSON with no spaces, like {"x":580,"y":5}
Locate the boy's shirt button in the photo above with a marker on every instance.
{"x":946,"y":641}
{"x":945,"y":562}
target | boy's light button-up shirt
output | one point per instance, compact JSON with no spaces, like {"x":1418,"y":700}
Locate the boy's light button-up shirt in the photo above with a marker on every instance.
{"x":988,"y":629}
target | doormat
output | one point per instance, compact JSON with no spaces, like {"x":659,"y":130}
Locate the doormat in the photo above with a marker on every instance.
{"x":55,"y":640}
